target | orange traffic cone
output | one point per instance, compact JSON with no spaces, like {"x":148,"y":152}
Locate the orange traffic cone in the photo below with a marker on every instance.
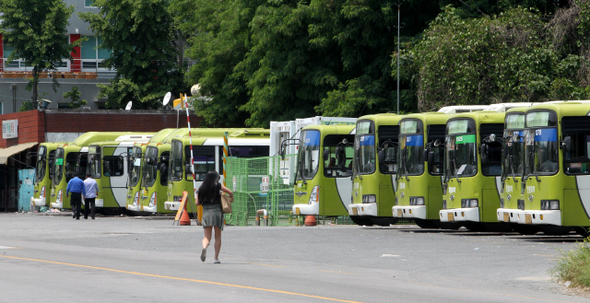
{"x":184,"y":218}
{"x":310,"y":221}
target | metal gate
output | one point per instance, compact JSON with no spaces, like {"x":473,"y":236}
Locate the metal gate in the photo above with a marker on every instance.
{"x":26,"y":179}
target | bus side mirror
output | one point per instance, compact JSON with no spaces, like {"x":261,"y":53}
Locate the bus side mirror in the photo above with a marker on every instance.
{"x":483,"y":150}
{"x":566,"y":145}
{"x":430,"y":157}
{"x":188,"y":169}
{"x":436,"y":143}
{"x":381,"y":156}
{"x":326,"y":153}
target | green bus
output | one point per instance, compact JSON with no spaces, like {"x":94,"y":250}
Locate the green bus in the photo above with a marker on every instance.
{"x":374,"y":169}
{"x":418,"y":195}
{"x":207,"y":150}
{"x":556,"y":177}
{"x":512,"y":169}
{"x":70,"y":159}
{"x":323,"y":170}
{"x":154,"y":180}
{"x":136,"y":162}
{"x":44,"y":171}
{"x":109,"y":163}
{"x":472,"y":170}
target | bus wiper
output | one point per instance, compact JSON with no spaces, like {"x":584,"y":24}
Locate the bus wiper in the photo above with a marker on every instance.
{"x":455,"y":170}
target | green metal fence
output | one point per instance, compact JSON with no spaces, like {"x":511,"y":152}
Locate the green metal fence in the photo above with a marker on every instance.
{"x":261,"y":186}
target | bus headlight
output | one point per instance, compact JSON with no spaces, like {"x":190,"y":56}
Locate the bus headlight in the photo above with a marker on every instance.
{"x":136,"y":199}
{"x":315,"y":195}
{"x":549,"y":204}
{"x":59,"y":198}
{"x":501,"y":202}
{"x":444,"y":206}
{"x":153,"y":200}
{"x":466,"y":203}
{"x":416,"y":200}
{"x":369,"y":198}
{"x":42,"y":194}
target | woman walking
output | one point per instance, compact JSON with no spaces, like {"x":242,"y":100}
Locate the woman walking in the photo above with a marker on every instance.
{"x":209,"y":196}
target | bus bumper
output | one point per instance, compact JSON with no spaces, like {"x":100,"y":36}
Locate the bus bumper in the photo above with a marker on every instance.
{"x":508,"y":215}
{"x":132,"y":207}
{"x":409,"y":211}
{"x":38,"y":202}
{"x":551,"y":217}
{"x":99,"y":202}
{"x":364,"y":209}
{"x":459,"y":214}
{"x":306,"y":209}
{"x":171,"y":205}
{"x":149,"y":209}
{"x":57,"y":205}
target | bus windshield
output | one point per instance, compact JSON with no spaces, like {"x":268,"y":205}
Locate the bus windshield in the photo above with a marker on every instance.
{"x":411,"y":156}
{"x":40,"y":170}
{"x":461,"y":157}
{"x":513,"y":160}
{"x":309,"y":155}
{"x":545,"y":152}
{"x":59,"y":165}
{"x":338,"y":153}
{"x":94,"y":159}
{"x":150,"y":166}
{"x":135,"y":166}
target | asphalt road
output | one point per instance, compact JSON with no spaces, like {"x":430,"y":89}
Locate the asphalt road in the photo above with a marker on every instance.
{"x":53,"y":258}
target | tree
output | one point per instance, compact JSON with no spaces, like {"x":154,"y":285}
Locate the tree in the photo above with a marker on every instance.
{"x":36,"y":30}
{"x":141,"y":36}
{"x":74,"y":95}
{"x":483,"y":60}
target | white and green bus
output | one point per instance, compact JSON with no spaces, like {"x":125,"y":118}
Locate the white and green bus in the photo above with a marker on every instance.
{"x":70,"y":159}
{"x":109,"y":163}
{"x":472,"y":165}
{"x":207,"y":149}
{"x":418,"y":195}
{"x":374,"y":169}
{"x":324,"y":168}
{"x":556,"y":177}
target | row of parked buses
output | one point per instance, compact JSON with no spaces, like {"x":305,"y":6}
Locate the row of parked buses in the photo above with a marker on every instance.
{"x":516,"y":166}
{"x":139,"y":172}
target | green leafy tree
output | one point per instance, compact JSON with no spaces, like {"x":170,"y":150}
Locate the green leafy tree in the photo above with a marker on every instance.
{"x":74,"y":95}
{"x":483,"y":60}
{"x":218,"y":36}
{"x":141,"y":36}
{"x":36,"y":31}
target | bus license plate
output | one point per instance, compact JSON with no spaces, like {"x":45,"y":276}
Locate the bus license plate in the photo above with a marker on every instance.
{"x":506,"y":217}
{"x":399,"y":213}
{"x":528,"y":219}
{"x":451,"y":217}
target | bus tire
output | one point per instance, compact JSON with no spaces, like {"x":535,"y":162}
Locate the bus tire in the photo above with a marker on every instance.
{"x":526,"y":229}
{"x":425,"y":223}
{"x":359,"y":220}
{"x":553,"y":230}
{"x":582,"y":231}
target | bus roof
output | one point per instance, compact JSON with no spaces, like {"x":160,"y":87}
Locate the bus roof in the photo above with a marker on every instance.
{"x":341,"y":129}
{"x":570,"y":108}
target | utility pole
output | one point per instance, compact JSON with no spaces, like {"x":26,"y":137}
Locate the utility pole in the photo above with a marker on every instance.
{"x":398,"y":24}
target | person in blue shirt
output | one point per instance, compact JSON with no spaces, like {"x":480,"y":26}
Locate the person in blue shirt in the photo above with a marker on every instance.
{"x":76,"y":187}
{"x":90,"y":195}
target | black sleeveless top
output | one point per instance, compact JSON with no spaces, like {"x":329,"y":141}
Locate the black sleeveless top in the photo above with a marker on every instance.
{"x":216,"y":199}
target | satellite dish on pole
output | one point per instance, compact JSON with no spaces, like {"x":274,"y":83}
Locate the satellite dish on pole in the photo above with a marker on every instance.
{"x":129,"y":104}
{"x":167,"y":98}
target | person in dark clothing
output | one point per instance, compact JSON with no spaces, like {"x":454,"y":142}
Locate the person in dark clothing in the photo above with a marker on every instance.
{"x":76,"y":187}
{"x":209,"y":196}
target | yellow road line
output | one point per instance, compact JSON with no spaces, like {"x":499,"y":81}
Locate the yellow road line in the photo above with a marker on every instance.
{"x":183,"y":279}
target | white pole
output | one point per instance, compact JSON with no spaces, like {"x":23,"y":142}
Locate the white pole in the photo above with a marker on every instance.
{"x":398,"y":23}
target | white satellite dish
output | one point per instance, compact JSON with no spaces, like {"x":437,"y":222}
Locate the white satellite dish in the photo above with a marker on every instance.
{"x":129,"y":104}
{"x":167,"y":98}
